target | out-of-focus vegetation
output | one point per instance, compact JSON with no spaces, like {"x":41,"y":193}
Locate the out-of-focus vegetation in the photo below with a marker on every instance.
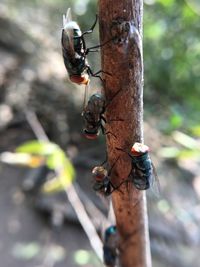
{"x":171,"y":57}
{"x":32,"y":75}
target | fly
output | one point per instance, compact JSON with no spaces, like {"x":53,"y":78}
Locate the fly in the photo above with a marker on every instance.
{"x":142,"y":172}
{"x":75,"y":51}
{"x":102,"y":182}
{"x":110,"y":247}
{"x":93,"y":114}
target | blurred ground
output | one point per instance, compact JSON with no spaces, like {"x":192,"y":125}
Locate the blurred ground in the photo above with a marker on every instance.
{"x":27,"y":238}
{"x":32,"y":76}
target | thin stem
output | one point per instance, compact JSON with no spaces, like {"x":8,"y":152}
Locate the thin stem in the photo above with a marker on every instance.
{"x":71,"y":193}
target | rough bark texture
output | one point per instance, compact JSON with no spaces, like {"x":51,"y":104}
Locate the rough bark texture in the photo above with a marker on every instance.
{"x":122,"y":58}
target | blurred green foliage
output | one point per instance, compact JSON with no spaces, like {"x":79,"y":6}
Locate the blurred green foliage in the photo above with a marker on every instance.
{"x":171,"y":58}
{"x":55,"y":159}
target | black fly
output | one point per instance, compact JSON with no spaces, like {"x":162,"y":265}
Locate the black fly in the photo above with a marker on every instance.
{"x":110,"y":247}
{"x":93,"y":116}
{"x":142,"y":172}
{"x":75,"y":52}
{"x":102,"y":182}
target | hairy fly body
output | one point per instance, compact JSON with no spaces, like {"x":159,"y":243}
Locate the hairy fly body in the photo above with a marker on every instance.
{"x":93,"y":116}
{"x":102,"y":180}
{"x":142,"y":173}
{"x":75,"y":52}
{"x":110,"y":247}
{"x":102,"y":183}
{"x":142,"y":168}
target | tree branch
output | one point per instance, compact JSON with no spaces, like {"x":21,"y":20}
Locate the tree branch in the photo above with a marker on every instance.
{"x":122,"y":57}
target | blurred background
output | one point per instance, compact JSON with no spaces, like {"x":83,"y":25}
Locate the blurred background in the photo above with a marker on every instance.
{"x":33,"y":77}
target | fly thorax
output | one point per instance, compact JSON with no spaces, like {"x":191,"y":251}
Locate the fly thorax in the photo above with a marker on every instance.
{"x":99,"y":173}
{"x":89,"y":116}
{"x":77,"y":32}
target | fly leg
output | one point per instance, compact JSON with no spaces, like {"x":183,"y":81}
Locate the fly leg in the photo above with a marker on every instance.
{"x":105,"y":133}
{"x":96,"y":74}
{"x":92,"y":28}
{"x":91,"y":49}
{"x":103,"y":128}
{"x":109,"y":173}
{"x":123,"y":150}
{"x":105,"y":161}
{"x":105,"y":121}
{"x":110,"y":170}
{"x":110,"y":100}
{"x":116,"y":187}
{"x":88,"y":32}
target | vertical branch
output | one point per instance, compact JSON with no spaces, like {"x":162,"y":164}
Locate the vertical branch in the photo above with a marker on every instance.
{"x":122,"y":58}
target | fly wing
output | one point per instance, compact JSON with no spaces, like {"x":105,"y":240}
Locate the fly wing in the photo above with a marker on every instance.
{"x":67,"y":39}
{"x":155,"y":183}
{"x":85,"y":101}
{"x":68,"y":17}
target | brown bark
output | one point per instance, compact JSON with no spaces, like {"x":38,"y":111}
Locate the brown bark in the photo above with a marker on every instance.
{"x":122,"y":58}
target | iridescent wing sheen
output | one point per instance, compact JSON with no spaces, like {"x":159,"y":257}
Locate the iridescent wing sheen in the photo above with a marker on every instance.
{"x":67,"y":39}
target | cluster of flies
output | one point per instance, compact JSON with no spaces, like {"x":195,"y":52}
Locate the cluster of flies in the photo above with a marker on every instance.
{"x":141,"y":175}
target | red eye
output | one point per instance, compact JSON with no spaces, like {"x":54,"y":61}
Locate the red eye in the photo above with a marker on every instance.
{"x":79,"y":79}
{"x":139,"y":149}
{"x":91,"y":136}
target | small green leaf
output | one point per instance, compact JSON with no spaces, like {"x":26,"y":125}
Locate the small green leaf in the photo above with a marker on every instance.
{"x":37,"y":147}
{"x":56,"y":159}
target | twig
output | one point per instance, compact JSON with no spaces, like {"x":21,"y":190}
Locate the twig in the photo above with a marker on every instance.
{"x":94,"y":212}
{"x":72,"y":195}
{"x":36,"y":126}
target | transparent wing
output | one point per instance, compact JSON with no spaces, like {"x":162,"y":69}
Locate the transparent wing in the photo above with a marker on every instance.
{"x":68,"y":34}
{"x":67,"y":17}
{"x":85,"y":101}
{"x":155,"y":183}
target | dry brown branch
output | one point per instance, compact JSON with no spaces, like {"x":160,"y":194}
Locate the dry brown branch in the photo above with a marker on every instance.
{"x":122,"y":58}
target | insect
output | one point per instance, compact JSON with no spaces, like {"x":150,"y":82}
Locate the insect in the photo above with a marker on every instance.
{"x":75,"y":52}
{"x":142,"y":168}
{"x":142,"y":171}
{"x":110,"y":251}
{"x":93,"y":116}
{"x":102,"y":182}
